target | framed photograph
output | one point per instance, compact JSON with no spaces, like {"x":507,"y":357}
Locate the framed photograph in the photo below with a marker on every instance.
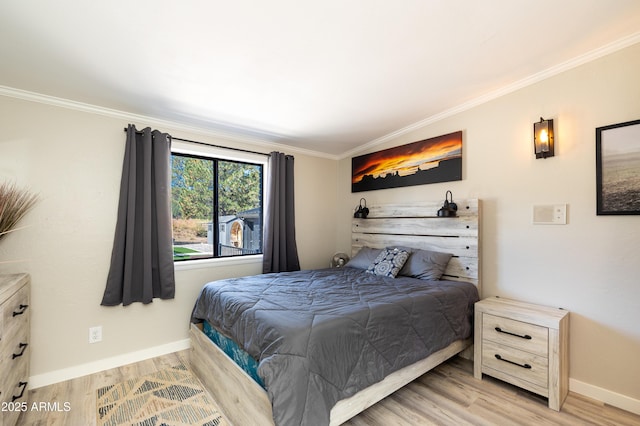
{"x":431,"y":160}
{"x":618,"y":169}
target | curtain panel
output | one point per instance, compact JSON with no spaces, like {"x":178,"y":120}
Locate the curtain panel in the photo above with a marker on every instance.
{"x":280,"y":251}
{"x":142,"y":257}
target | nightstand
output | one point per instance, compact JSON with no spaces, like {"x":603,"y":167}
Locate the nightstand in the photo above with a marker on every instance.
{"x":523,"y":344}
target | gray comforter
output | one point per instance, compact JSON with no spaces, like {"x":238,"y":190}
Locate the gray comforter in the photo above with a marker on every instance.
{"x":320,"y":336}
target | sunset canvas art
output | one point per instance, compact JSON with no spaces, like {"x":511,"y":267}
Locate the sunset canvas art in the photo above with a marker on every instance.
{"x":431,"y":160}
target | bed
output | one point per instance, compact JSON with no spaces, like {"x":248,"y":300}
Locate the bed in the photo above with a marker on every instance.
{"x":329,"y":343}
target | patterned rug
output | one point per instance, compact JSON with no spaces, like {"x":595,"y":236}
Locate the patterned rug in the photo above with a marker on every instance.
{"x":170,"y":397}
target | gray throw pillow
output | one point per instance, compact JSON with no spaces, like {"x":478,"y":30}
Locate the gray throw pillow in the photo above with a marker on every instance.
{"x":426,"y":264}
{"x":363,"y":258}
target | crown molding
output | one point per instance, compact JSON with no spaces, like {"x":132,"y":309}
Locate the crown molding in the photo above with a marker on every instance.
{"x":26,"y":95}
{"x":270,"y":144}
{"x":528,"y":81}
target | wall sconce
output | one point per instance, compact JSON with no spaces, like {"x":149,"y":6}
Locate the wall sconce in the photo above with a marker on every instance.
{"x":361,"y":211}
{"x":449,"y":208}
{"x":543,"y":138}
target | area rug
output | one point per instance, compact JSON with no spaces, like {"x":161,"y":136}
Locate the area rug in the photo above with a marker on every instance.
{"x":170,"y":397}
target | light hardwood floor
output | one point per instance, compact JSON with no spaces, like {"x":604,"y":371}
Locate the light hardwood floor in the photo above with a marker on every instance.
{"x":447,"y":395}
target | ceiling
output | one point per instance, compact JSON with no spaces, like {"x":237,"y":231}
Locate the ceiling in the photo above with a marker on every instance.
{"x":326,"y":76}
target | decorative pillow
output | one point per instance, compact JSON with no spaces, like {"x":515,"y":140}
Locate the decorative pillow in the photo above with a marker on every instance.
{"x":363,"y":258}
{"x":388,"y":263}
{"x":426,"y":264}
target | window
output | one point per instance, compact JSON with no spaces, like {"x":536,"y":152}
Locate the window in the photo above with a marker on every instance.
{"x":216,"y":207}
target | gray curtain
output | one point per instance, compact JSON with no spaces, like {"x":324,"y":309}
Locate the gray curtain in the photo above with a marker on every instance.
{"x":280,"y":252}
{"x":142,"y":257}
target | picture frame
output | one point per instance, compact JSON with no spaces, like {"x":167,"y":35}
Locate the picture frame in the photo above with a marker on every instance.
{"x":618,"y":169}
{"x":437,"y":159}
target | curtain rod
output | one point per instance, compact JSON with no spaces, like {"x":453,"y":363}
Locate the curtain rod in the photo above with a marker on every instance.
{"x":214,"y":146}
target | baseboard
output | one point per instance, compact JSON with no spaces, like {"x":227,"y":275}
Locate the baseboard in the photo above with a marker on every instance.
{"x":608,"y":397}
{"x":61,"y":375}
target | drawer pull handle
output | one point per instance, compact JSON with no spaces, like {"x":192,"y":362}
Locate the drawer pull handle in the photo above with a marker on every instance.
{"x":22,"y":346}
{"x":526,"y":336}
{"x":527,"y":366}
{"x":23,"y":385}
{"x":22,"y":310}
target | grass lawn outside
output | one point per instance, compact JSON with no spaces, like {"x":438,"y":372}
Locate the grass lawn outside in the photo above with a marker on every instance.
{"x":181,"y":253}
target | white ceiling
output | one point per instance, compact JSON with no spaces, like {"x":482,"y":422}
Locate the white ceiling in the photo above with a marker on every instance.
{"x":326,"y":76}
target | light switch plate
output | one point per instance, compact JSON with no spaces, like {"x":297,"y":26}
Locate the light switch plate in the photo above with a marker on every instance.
{"x":550,"y":214}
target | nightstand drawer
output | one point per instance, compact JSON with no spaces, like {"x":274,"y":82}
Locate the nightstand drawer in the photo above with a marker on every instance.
{"x":519,"y":364}
{"x":520,"y":335}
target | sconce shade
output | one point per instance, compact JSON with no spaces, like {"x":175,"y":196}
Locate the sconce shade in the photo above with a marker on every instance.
{"x":449,"y":208}
{"x":543,"y":138}
{"x":361,"y":211}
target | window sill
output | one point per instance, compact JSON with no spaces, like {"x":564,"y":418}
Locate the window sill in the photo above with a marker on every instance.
{"x":224,"y":261}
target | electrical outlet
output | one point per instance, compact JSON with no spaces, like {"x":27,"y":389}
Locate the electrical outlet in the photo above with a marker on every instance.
{"x":95,"y":334}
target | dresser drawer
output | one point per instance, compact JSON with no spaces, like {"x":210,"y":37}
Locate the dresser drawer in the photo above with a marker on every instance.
{"x":15,"y":388}
{"x":16,"y":395}
{"x":520,"y":335}
{"x":15,"y":315}
{"x":13,"y":339}
{"x":16,"y":306}
{"x":519,"y":364}
{"x":13,"y":351}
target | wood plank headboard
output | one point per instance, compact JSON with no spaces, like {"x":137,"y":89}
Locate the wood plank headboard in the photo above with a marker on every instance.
{"x":417,"y":225}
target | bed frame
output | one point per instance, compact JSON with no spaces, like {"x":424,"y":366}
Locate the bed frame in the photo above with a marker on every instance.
{"x":416,"y":225}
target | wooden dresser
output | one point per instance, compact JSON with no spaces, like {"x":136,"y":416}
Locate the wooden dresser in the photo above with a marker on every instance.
{"x":524,"y":344}
{"x":14,"y":346}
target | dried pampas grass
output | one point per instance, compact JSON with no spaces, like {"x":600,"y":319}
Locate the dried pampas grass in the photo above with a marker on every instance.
{"x":14,"y":204}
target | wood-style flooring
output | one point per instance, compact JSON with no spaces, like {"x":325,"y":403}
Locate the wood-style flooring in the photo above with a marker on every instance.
{"x":447,"y":395}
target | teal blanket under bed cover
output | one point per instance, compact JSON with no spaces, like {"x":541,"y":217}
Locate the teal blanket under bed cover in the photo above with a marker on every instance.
{"x":233,"y":351}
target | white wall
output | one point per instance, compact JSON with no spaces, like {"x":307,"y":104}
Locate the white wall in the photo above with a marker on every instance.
{"x":73,"y":159}
{"x":590,"y":265}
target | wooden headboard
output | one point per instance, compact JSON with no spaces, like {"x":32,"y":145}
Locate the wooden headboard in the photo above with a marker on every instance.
{"x":417,"y":225}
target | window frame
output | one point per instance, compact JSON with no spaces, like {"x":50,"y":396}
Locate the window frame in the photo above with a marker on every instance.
{"x":216,"y":154}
